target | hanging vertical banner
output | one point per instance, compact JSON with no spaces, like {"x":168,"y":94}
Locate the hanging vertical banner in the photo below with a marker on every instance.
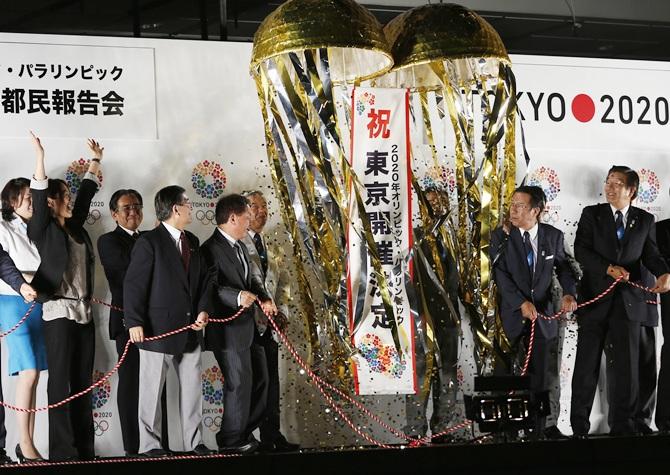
{"x":380,"y":159}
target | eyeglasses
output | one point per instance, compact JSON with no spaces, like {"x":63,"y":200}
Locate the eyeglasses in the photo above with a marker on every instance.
{"x":186,"y":202}
{"x":615,"y":183}
{"x":128,"y":208}
{"x":522,"y":206}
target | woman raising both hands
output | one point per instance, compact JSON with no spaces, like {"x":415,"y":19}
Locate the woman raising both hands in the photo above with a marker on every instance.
{"x":64,"y":283}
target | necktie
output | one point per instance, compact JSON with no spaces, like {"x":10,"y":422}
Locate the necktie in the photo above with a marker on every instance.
{"x":136,"y":235}
{"x":185,"y":250}
{"x":240,"y":256}
{"x":528,"y":248}
{"x":258,"y":242}
{"x":619,"y":225}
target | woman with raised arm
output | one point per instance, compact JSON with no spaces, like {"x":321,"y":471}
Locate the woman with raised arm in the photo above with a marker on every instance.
{"x":64,"y":283}
{"x":27,"y":356}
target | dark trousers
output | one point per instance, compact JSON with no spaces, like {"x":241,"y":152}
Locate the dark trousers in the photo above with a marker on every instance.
{"x":538,"y":367}
{"x":269,"y":427}
{"x":624,"y":336}
{"x":443,"y":383}
{"x":70,"y":351}
{"x":127,"y":397}
{"x":245,"y":388}
{"x":663,"y":404}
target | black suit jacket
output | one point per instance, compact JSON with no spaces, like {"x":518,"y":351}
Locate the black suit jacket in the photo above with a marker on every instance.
{"x":9,"y":273}
{"x":596,"y":247}
{"x":435,"y":301}
{"x":159,"y":295}
{"x":114,"y":249}
{"x":52,"y":240}
{"x":229,"y":281}
{"x":512,"y":277}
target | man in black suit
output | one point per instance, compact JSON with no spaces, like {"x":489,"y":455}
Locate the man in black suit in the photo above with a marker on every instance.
{"x":613,"y":240}
{"x":114,"y":249}
{"x":275,"y":279}
{"x":167,"y":287}
{"x":663,"y":396}
{"x":437,"y":278}
{"x":241,"y":358}
{"x":523,"y":265}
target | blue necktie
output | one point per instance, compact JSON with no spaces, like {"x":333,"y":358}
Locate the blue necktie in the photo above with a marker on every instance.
{"x":619,"y":225}
{"x":528,"y":248}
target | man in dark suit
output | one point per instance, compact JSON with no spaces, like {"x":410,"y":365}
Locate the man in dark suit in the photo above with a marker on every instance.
{"x":523,"y":265}
{"x":613,"y":240}
{"x":663,"y":396}
{"x":114,"y":249}
{"x":275,"y":279}
{"x":241,"y":358}
{"x":437,"y":279}
{"x":167,"y":287}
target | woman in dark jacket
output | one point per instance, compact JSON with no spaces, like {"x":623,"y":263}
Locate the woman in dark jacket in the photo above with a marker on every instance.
{"x":64,"y":282}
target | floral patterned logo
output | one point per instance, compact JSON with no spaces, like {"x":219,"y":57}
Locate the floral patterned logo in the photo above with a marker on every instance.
{"x":440,"y":178}
{"x":649,"y":188}
{"x":361,"y":101}
{"x":382,"y":358}
{"x":75,"y":173}
{"x":208,"y":179}
{"x":547,"y":179}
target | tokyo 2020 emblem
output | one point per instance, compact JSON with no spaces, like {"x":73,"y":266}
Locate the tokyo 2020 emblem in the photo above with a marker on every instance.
{"x":382,"y":358}
{"x":99,"y":397}
{"x":440,"y":178}
{"x":547,"y":179}
{"x":100,"y":394}
{"x":649,"y":188}
{"x":208,"y":179}
{"x":75,"y":173}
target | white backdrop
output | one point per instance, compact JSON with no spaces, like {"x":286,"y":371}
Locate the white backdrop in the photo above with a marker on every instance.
{"x":191,"y":109}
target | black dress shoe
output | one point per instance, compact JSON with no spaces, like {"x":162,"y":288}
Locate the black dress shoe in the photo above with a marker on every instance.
{"x":4,"y":458}
{"x":580,"y":436}
{"x":442,"y":439}
{"x":202,"y":449}
{"x":155,"y":454}
{"x":283,"y":445}
{"x":553,"y":433}
{"x":643,"y":429}
{"x":243,"y":447}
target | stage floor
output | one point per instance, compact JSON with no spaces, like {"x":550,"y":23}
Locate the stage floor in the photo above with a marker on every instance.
{"x":598,"y":455}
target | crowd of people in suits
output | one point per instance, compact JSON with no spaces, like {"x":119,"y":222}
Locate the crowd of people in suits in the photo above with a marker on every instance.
{"x":163,"y":279}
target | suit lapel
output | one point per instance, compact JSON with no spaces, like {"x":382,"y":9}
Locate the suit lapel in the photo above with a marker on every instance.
{"x":173,"y":255}
{"x":631,"y":220}
{"x":539,"y":259}
{"x":519,"y":259}
{"x":605,"y":222}
{"x":230,"y":254}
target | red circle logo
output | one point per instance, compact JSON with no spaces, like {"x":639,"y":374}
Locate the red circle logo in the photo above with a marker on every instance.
{"x":583,"y":108}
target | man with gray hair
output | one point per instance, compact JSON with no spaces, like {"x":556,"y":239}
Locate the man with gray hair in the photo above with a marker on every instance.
{"x":276,"y":284}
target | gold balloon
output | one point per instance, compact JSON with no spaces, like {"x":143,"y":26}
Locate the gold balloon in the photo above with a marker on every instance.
{"x":442,"y":31}
{"x":355,"y":39}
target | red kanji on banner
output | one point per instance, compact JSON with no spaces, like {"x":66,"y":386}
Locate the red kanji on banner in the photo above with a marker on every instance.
{"x":379,"y":121}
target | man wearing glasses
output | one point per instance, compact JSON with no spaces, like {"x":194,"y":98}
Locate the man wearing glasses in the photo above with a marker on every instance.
{"x":114,"y":249}
{"x":167,"y":287}
{"x":523,"y":264}
{"x":613,"y":240}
